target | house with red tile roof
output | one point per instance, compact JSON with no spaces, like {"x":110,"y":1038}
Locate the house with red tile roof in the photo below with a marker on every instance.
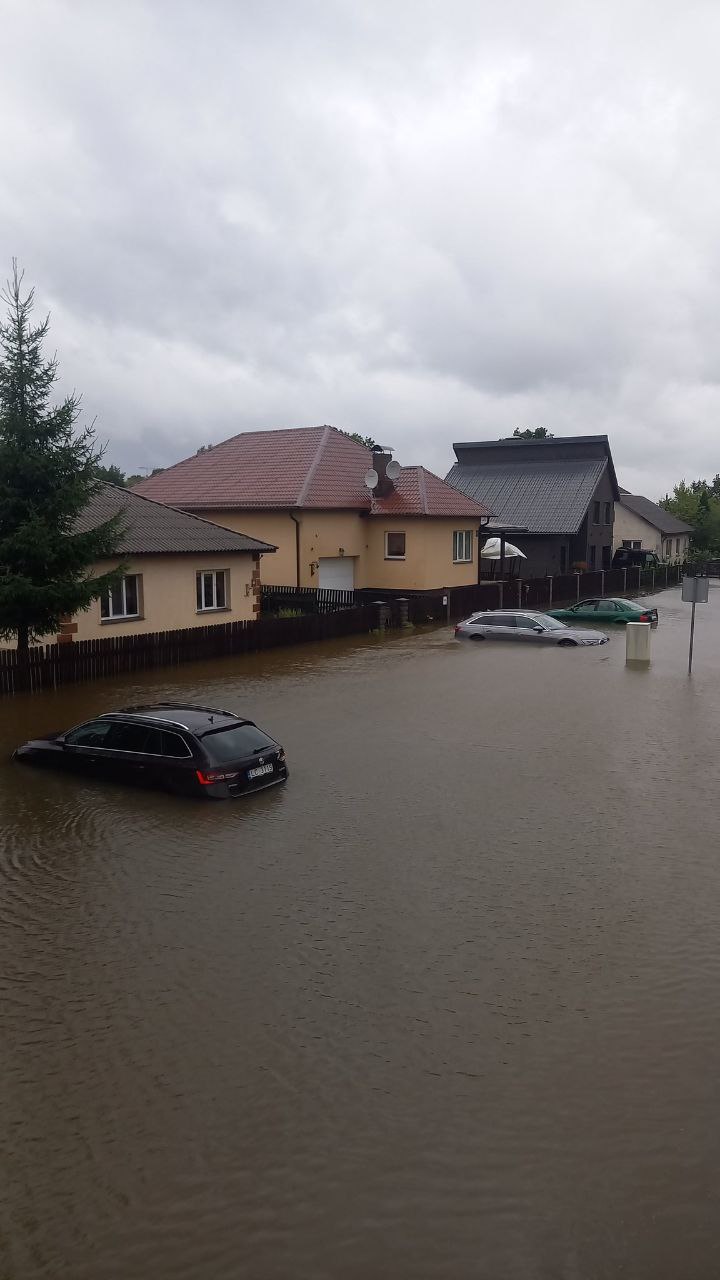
{"x":339,"y":514}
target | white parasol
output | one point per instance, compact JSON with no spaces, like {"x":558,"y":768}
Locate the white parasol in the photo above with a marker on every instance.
{"x":491,"y":550}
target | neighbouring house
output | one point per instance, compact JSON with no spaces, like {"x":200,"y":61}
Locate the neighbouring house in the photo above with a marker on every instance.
{"x":642,"y":524}
{"x":554,"y":497}
{"x":181,"y":571}
{"x":341,"y":516}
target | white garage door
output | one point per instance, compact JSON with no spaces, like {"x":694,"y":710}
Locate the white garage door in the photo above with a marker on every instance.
{"x":338,"y":573}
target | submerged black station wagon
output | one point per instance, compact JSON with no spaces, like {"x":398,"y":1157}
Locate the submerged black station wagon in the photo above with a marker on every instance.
{"x":190,"y":750}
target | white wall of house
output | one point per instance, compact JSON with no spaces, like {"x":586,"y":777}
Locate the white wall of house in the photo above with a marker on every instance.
{"x":633,"y":529}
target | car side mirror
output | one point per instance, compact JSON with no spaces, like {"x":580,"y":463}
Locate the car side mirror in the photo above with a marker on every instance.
{"x":538,"y":628}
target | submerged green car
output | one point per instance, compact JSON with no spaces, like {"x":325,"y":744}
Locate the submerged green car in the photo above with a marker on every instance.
{"x":607,"y":610}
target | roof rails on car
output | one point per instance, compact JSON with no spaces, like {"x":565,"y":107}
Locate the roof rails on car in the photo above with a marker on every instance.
{"x":182,"y":706}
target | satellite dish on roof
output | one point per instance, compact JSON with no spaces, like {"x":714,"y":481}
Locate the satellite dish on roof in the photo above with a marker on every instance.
{"x":371,"y":478}
{"x":393,"y":469}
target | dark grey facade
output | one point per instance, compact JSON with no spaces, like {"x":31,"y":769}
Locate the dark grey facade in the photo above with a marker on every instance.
{"x":556,"y":498}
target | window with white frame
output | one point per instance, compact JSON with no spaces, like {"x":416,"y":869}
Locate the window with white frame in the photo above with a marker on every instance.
{"x":211,"y":589}
{"x":394,"y":545}
{"x":123,"y":600}
{"x":462,"y":546}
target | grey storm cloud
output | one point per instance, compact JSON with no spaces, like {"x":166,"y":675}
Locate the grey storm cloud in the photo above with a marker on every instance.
{"x":422,"y":222}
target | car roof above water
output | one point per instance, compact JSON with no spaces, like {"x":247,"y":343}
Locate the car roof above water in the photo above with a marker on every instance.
{"x":196,"y":719}
{"x":510,"y":613}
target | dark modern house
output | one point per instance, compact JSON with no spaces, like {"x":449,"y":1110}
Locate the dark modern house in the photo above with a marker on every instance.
{"x":554,"y":498}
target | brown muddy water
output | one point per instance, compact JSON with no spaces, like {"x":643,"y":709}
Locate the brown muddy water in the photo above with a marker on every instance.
{"x":445,"y":1007}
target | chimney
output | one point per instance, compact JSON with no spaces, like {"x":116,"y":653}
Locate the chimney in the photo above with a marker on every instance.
{"x":381,"y":456}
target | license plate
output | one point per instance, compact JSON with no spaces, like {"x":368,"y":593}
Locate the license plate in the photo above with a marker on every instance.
{"x":260,"y":770}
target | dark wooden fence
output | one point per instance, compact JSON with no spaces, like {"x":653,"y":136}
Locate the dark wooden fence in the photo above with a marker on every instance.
{"x":533,"y":593}
{"x":55,"y":664}
{"x":277,"y":600}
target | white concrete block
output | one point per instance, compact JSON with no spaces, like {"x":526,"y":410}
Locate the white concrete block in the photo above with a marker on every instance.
{"x":637,"y":642}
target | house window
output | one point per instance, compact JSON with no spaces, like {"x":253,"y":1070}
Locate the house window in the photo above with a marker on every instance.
{"x":462,"y":546}
{"x":607,"y":513}
{"x":211,"y":590}
{"x":593,"y":551}
{"x":596,"y":512}
{"x":123,"y":600}
{"x":394,"y":545}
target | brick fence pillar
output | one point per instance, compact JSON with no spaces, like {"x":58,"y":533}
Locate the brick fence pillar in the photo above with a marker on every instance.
{"x":68,"y":629}
{"x":255,"y":586}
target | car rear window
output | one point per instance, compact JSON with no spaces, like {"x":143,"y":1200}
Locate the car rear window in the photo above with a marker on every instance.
{"x":235,"y":743}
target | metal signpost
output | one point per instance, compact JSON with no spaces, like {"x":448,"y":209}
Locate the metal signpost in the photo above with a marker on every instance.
{"x":694,"y":591}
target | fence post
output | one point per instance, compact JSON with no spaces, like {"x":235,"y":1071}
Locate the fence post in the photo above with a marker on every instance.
{"x":550,"y":600}
{"x":624,"y":582}
{"x":577,"y":579}
{"x":520,"y":603}
{"x":602,"y":582}
{"x":653,"y":579}
{"x":639,"y":579}
{"x":500,"y":593}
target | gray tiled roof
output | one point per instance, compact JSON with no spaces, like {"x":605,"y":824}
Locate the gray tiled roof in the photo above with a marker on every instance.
{"x":151,"y":528}
{"x":657,"y":516}
{"x":542,"y":497}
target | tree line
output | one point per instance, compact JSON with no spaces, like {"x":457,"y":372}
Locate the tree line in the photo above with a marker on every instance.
{"x":698,"y":504}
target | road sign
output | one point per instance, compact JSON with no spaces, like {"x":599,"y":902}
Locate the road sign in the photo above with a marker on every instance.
{"x":694,"y":591}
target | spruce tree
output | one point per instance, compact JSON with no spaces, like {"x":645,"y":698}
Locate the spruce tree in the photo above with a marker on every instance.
{"x":48,"y":473}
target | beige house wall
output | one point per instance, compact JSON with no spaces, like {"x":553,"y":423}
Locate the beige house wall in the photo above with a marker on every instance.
{"x":332,"y":534}
{"x":633,"y":528}
{"x":169,"y":599}
{"x":277,"y":528}
{"x":428,"y":562}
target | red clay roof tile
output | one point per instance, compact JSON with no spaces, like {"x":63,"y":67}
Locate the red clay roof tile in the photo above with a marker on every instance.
{"x":309,"y":467}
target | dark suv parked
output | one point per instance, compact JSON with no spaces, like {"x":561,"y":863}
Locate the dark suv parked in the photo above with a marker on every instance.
{"x":198,"y":751}
{"x":631,"y":557}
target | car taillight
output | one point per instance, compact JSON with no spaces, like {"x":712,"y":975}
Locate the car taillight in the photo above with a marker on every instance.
{"x":207,"y":779}
{"x":645,"y":617}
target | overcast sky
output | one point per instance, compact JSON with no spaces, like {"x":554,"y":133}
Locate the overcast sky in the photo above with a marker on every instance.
{"x":422,"y":221}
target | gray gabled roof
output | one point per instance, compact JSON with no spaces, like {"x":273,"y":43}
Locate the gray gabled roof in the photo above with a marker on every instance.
{"x":151,"y":528}
{"x":542,"y":497}
{"x":657,"y":516}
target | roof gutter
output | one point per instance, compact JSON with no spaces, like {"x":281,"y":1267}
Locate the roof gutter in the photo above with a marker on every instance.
{"x":297,"y":547}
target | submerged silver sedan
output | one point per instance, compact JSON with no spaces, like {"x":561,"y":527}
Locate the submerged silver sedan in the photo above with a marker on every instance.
{"x":524,"y":624}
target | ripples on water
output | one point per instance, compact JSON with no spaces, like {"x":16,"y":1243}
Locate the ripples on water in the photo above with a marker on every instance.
{"x":443,"y":1007}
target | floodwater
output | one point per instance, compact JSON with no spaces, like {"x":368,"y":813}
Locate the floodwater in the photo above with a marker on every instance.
{"x":444,"y":1007}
